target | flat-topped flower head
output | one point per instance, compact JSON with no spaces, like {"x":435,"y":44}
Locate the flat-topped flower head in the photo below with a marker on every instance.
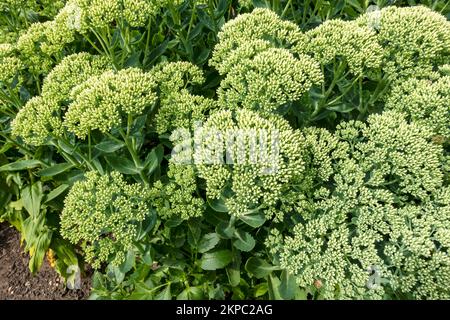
{"x":415,"y":39}
{"x":101,"y":102}
{"x":337,"y":39}
{"x":182,"y":110}
{"x":424,"y":101}
{"x":100,"y":14}
{"x":42,"y":42}
{"x":70,"y":72}
{"x":173,"y":76}
{"x":260,"y":24}
{"x":36,"y":121}
{"x":102,"y":212}
{"x":272,"y":78}
{"x":248,"y":160}
{"x":42,"y":116}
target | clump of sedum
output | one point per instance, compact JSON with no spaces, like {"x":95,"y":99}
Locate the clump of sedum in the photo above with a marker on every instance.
{"x":261,"y":25}
{"x":337,"y":39}
{"x":259,"y":54}
{"x":178,"y":197}
{"x":271,"y":79}
{"x":380,"y":207}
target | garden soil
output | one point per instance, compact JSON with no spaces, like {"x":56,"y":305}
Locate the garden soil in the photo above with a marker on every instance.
{"x":16,"y":281}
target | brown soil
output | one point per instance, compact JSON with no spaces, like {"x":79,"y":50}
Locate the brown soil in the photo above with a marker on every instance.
{"x":16,"y":281}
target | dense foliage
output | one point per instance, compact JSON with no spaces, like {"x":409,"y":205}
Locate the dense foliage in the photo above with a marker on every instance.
{"x":129,"y":132}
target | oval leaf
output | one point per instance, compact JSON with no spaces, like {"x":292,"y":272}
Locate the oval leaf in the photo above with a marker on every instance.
{"x":244,"y":241}
{"x":208,"y":242}
{"x":216,"y":260}
{"x":109,"y":146}
{"x":122,"y":165}
{"x":254,"y":219}
{"x":259,"y":268}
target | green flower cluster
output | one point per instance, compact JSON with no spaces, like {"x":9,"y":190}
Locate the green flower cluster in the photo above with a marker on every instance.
{"x":271,"y":79}
{"x":377,"y":206}
{"x":248,"y":160}
{"x":102,"y":101}
{"x":179,"y":108}
{"x":42,"y":116}
{"x":337,"y":39}
{"x":10,"y":65}
{"x":100,"y":14}
{"x":258,"y":52}
{"x":174,"y":76}
{"x":415,"y":39}
{"x":44,"y":42}
{"x":70,"y":72}
{"x":102,"y":213}
{"x":178,"y":197}
{"x":261,"y":24}
{"x":182,"y":110}
{"x":425,"y":101}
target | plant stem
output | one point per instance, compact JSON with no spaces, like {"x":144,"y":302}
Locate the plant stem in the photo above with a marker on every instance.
{"x":134,"y":156}
{"x":286,"y":8}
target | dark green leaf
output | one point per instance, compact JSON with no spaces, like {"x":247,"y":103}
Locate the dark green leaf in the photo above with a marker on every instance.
{"x":216,"y":260}
{"x":191,"y":293}
{"x":273,"y":285}
{"x":259,"y":268}
{"x":288,"y":285}
{"x":253,"y":218}
{"x":224,"y":230}
{"x":31,"y":198}
{"x":56,"y":192}
{"x":128,"y":264}
{"x":165,"y":294}
{"x":233,"y":270}
{"x":20,"y":165}
{"x":218,"y":205}
{"x":109,"y":146}
{"x":154,"y":159}
{"x":123,"y":165}
{"x":208,"y":242}
{"x":244,"y":241}
{"x":55,"y":169}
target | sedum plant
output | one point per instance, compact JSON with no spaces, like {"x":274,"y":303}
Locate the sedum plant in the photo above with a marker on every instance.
{"x":379,"y":209}
{"x":229,"y":149}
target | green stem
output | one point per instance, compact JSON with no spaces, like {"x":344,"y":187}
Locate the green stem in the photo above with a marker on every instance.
{"x":134,"y":156}
{"x":147,"y":41}
{"x":79,"y":154}
{"x":89,"y":146}
{"x":286,"y":8}
{"x":191,"y":21}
